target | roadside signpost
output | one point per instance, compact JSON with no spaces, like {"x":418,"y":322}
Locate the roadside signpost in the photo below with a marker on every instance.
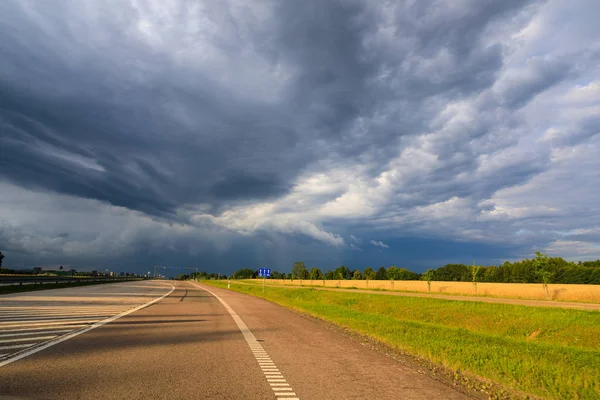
{"x":264,"y":273}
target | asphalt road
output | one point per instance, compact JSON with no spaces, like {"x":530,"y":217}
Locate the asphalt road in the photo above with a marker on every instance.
{"x":188,"y":345}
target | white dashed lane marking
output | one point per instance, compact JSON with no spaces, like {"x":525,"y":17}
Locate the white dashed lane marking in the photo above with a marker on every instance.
{"x":277,"y":382}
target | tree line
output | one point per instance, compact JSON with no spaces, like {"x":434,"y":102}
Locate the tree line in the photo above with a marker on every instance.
{"x":540,"y":269}
{"x":201,"y":275}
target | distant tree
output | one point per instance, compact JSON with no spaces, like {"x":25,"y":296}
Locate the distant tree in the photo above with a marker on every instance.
{"x":61,"y":267}
{"x":475,"y":270}
{"x":315,"y":273}
{"x":329,"y":275}
{"x":490,"y":274}
{"x":299,"y":271}
{"x":428,"y":276}
{"x":369,"y":274}
{"x":182,"y":277}
{"x":453,"y":272}
{"x":277,"y":275}
{"x":392,"y":273}
{"x":542,"y":270}
{"x":356,"y":275}
{"x":1,"y":258}
{"x":245,"y":273}
{"x":381,"y":274}
{"x":342,"y":272}
{"x":401,"y":274}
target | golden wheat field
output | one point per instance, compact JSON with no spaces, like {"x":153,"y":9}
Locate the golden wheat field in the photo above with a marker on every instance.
{"x":564,"y":292}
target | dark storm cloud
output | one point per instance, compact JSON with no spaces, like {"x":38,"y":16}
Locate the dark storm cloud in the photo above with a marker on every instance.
{"x":138,"y":155}
{"x":80,"y":124}
{"x":304,"y":118}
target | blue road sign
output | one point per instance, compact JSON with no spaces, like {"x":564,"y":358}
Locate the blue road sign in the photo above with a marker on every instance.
{"x":264,"y":272}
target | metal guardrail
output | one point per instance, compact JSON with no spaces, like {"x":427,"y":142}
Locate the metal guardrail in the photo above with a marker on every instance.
{"x":30,"y":280}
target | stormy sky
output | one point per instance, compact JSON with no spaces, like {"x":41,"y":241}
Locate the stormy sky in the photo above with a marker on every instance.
{"x":244,"y":134}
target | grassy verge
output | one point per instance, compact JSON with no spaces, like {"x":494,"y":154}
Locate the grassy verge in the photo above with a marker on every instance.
{"x":8,"y":289}
{"x":547,"y":352}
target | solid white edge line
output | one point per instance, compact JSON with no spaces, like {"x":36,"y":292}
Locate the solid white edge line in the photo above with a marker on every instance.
{"x":93,"y":326}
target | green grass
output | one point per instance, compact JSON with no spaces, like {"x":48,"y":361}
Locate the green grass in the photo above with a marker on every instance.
{"x":547,"y":352}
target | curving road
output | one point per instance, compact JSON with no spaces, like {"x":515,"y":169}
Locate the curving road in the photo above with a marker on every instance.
{"x":197,"y":342}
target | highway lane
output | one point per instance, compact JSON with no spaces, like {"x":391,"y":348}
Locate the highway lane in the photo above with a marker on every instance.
{"x":191,"y":345}
{"x":33,"y":320}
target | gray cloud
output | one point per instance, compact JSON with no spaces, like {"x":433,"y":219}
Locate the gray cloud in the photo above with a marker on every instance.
{"x":309,"y":120}
{"x":379,"y":243}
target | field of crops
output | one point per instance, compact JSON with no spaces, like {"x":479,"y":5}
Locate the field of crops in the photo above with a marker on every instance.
{"x":547,"y":352}
{"x":564,"y":292}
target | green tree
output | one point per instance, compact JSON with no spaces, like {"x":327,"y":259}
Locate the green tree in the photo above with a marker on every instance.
{"x":343,"y":272}
{"x":541,"y":264}
{"x":315,"y":273}
{"x":401,"y":274}
{"x":392,"y":273}
{"x":1,"y":258}
{"x":453,"y":272}
{"x":369,"y":274}
{"x":277,"y":275}
{"x":245,"y":273}
{"x":381,"y":274}
{"x":299,"y":271}
{"x":356,"y":275}
{"x":329,"y":275}
{"x":475,"y":270}
{"x":428,"y":276}
{"x":491,"y":274}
